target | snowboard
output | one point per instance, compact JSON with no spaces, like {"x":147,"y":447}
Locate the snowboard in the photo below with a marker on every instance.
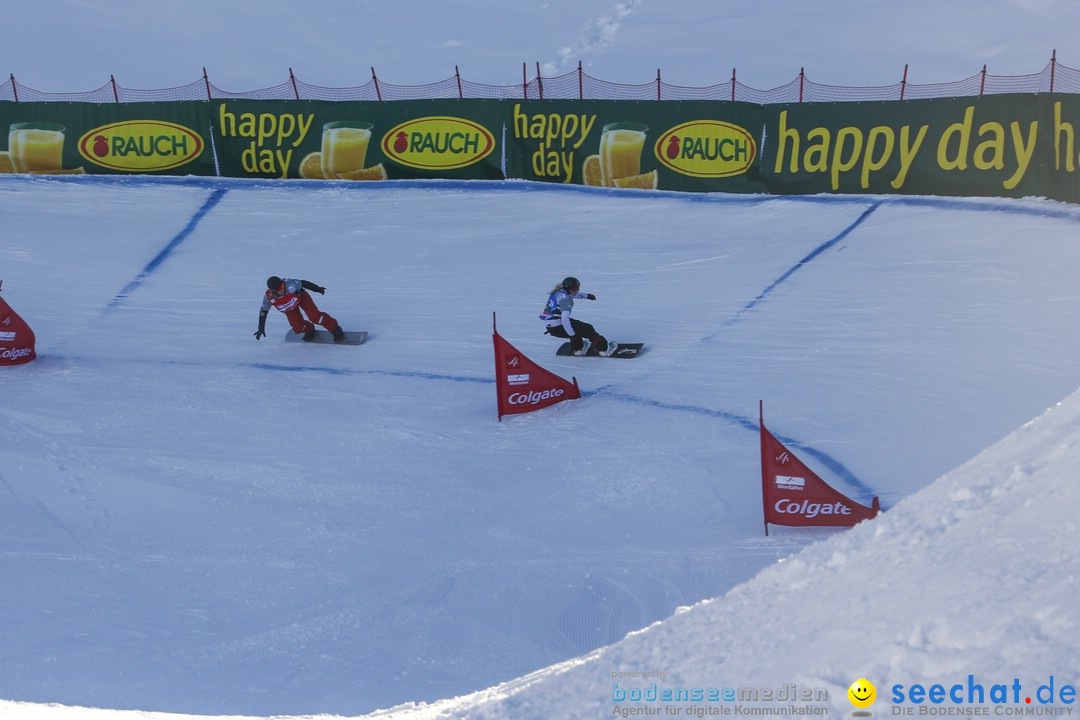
{"x":625,"y":350}
{"x":325,"y":338}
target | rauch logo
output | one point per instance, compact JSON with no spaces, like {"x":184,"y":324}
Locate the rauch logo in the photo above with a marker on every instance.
{"x":141,"y":145}
{"x":707,"y":149}
{"x":438,"y":143}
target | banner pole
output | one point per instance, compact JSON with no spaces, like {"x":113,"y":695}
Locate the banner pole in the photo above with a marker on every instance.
{"x":761,"y":436}
{"x":495,"y":343}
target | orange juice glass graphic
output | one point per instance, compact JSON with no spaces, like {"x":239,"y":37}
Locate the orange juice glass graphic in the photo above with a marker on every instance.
{"x":36,"y":147}
{"x":344,"y":146}
{"x":620,"y":151}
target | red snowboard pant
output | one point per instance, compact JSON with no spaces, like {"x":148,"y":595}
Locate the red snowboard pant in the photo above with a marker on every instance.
{"x":314,"y":315}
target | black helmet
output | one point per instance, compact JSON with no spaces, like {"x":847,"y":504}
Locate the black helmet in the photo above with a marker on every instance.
{"x":570,"y":282}
{"x":273,"y":282}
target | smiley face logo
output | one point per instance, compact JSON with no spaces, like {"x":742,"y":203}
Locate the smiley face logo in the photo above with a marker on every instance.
{"x":862,"y":693}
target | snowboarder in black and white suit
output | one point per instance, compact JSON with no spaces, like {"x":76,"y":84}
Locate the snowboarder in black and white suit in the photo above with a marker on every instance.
{"x":556,"y":315}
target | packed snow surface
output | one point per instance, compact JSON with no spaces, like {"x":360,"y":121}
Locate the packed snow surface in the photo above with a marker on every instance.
{"x":198,"y":522}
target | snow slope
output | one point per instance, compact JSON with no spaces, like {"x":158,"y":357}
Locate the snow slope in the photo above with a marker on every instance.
{"x":197,"y":522}
{"x":966,"y":577}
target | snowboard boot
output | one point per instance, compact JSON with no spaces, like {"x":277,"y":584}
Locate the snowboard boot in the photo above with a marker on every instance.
{"x":585,"y":345}
{"x":339,"y":334}
{"x":309,"y":335}
{"x":612,"y":346}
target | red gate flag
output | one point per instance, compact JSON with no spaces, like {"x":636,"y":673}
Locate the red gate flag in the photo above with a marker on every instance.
{"x":522,"y":385}
{"x":792,"y":494}
{"x":16,"y":337}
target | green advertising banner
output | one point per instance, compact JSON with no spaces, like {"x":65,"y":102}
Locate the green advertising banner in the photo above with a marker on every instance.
{"x":49,"y":138}
{"x":671,"y":145}
{"x":998,"y":145}
{"x":334,"y":140}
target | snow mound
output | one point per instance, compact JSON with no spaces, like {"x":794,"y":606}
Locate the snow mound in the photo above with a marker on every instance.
{"x":973,"y":575}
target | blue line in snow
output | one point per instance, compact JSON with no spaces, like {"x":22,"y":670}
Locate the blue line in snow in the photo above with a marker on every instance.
{"x":387,"y":373}
{"x":214,"y":199}
{"x":813,"y":254}
{"x":835,"y":466}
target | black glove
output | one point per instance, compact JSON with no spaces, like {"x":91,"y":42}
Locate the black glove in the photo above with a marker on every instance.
{"x":259,"y":333}
{"x":590,"y":296}
{"x":320,"y":290}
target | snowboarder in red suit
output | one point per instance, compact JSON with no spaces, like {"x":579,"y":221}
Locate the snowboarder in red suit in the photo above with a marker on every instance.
{"x":290,"y":296}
